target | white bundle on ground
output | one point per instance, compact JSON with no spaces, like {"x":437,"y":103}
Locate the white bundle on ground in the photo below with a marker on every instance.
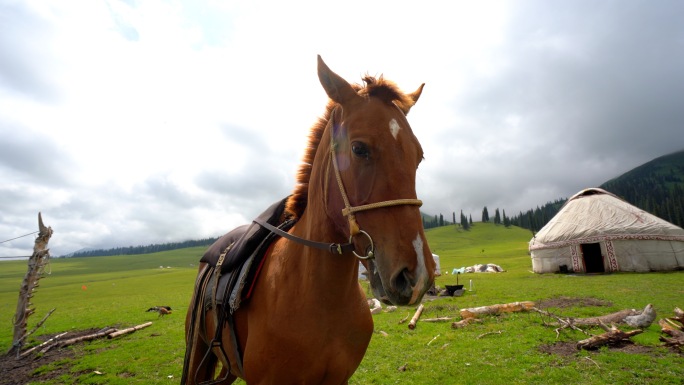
{"x":480,"y":268}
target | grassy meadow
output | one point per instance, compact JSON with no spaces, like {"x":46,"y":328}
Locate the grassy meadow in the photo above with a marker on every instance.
{"x":514,"y":348}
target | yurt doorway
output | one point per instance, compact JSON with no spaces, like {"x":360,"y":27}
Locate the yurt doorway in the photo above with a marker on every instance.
{"x":593,"y":260}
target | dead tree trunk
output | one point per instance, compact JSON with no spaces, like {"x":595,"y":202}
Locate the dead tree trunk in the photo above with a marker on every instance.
{"x":36,"y":266}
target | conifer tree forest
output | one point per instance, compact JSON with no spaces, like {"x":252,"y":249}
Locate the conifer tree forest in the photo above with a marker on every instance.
{"x":656,"y":187}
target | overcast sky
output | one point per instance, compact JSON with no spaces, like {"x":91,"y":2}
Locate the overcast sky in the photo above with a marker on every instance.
{"x":135,"y":122}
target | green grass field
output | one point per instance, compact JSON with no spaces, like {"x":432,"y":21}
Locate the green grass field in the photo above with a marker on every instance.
{"x":115,"y":291}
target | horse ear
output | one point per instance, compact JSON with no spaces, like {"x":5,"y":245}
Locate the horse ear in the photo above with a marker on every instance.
{"x":337,"y":88}
{"x":412,"y":99}
{"x":416,"y":94}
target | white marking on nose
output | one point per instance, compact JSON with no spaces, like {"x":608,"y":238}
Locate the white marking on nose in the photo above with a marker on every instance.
{"x":394,"y":128}
{"x":421,"y":272}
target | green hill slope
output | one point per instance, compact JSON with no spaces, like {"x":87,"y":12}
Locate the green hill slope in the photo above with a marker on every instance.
{"x":483,"y":243}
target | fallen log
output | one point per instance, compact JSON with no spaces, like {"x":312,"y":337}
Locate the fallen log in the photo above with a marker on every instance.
{"x":438,"y":319}
{"x":74,"y":340}
{"x":497,"y":309}
{"x":632,"y":317}
{"x":128,"y":330}
{"x":613,"y":318}
{"x":611,"y":336}
{"x":414,"y":320}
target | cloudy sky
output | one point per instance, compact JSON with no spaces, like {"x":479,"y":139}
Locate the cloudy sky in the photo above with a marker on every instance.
{"x":136,"y":122}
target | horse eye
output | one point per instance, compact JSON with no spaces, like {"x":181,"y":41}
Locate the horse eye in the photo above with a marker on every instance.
{"x":360,"y":149}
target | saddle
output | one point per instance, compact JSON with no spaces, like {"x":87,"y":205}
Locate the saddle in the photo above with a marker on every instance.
{"x":234,"y":262}
{"x":237,"y":256}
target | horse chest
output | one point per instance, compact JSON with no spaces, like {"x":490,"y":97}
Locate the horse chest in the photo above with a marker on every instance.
{"x":310,"y":340}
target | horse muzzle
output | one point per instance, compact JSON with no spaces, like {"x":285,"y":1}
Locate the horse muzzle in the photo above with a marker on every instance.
{"x":401,"y":288}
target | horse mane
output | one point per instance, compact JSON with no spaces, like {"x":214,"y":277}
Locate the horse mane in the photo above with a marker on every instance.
{"x":380,"y":88}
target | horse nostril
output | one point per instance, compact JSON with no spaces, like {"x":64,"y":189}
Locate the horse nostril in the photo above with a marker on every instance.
{"x":402,"y":283}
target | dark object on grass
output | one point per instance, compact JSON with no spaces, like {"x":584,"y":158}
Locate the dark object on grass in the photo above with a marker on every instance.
{"x":162,"y":310}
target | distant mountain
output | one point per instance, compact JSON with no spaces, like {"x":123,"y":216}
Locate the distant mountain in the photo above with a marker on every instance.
{"x":146,"y":249}
{"x":79,"y":251}
{"x":656,"y":187}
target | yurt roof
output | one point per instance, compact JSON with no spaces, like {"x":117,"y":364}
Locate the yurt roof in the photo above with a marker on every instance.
{"x":596,"y":212}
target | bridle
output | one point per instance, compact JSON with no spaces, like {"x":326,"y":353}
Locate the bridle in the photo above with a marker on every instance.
{"x":348,"y":211}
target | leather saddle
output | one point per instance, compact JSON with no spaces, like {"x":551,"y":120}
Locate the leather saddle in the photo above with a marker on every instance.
{"x":244,"y":248}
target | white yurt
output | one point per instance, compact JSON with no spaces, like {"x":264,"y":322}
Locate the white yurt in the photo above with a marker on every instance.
{"x":595,"y":231}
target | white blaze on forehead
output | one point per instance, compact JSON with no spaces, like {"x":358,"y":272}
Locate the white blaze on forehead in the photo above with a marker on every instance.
{"x":421,"y":273}
{"x":394,"y":128}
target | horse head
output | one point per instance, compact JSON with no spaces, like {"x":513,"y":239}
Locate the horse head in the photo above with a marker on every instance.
{"x":370,"y":189}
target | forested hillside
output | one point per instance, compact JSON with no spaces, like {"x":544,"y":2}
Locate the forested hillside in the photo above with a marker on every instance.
{"x":656,"y":187}
{"x":132,"y":250}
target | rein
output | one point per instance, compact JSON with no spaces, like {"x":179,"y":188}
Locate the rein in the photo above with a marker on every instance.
{"x":334,"y":248}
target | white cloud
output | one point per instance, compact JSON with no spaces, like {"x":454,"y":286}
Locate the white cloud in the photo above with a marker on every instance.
{"x":135,"y":122}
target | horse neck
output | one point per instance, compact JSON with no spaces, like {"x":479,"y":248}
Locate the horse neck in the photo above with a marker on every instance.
{"x":332,"y":270}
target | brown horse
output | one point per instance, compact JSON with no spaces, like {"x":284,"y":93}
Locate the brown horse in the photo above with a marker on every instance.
{"x":307,"y":320}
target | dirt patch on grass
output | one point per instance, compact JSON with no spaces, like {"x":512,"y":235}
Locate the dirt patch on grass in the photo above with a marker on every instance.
{"x":566,"y":302}
{"x":57,"y":361}
{"x":568,"y":349}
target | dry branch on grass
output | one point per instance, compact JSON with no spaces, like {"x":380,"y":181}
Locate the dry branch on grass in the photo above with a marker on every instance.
{"x":612,"y":335}
{"x":51,"y":340}
{"x":631,"y":317}
{"x":675,"y":331}
{"x":563,"y":322}
{"x":489,"y":334}
{"x":414,"y":320}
